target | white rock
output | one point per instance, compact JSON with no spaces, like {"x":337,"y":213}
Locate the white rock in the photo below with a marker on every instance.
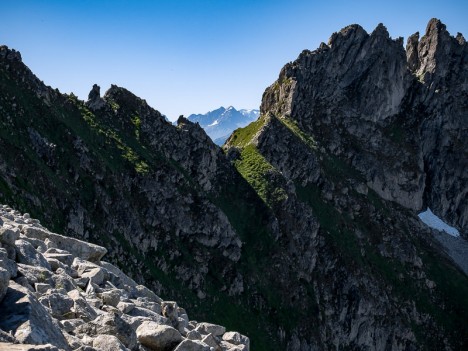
{"x":208,"y":328}
{"x":158,"y":337}
{"x":108,"y":343}
{"x":192,"y":345}
{"x":77,"y":248}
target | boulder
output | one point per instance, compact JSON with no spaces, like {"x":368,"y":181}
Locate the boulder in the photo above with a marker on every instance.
{"x":194,"y":335}
{"x":63,"y":281}
{"x":211,"y":341}
{"x":61,"y":255}
{"x":35,"y":274}
{"x":9,"y":235}
{"x":124,"y":280}
{"x":7,"y":263}
{"x":81,"y":306}
{"x":108,"y":343}
{"x":125,"y":307}
{"x":111,"y":324}
{"x":237,"y":339}
{"x":78,"y":248}
{"x":59,"y":305}
{"x":208,"y":328}
{"x":192,"y":345}
{"x":143,"y":312}
{"x":27,"y":254}
{"x":23,"y":315}
{"x":90,"y":270}
{"x":111,"y":297}
{"x":42,"y":288}
{"x":148,"y":304}
{"x":143,"y":291}
{"x":69,"y":325}
{"x":158,"y":337}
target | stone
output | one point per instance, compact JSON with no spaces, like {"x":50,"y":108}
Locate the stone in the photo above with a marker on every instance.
{"x":27,"y":254}
{"x":7,"y":263}
{"x":35,"y":274}
{"x":158,"y":337}
{"x":81,"y":307}
{"x":237,"y":339}
{"x":123,"y":279}
{"x":194,"y":335}
{"x":192,"y":345}
{"x":111,"y":324}
{"x":63,"y":281}
{"x":59,"y":305}
{"x":8,"y":236}
{"x":87,"y":269}
{"x":148,"y":304}
{"x":86,"y":251}
{"x":211,"y":341}
{"x":61,"y":255}
{"x":28,"y":319}
{"x":105,"y":342}
{"x":208,"y":328}
{"x":42,"y":288}
{"x":143,"y":291}
{"x":125,"y":307}
{"x":143,"y":312}
{"x":69,"y":325}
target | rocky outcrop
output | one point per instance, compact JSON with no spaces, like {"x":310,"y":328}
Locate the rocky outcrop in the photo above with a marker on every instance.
{"x":74,"y":303}
{"x":398,"y":117}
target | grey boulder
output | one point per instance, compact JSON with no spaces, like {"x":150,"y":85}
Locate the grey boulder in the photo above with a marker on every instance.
{"x":158,"y":337}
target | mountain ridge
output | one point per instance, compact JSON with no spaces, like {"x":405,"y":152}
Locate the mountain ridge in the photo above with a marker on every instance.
{"x":305,"y":227}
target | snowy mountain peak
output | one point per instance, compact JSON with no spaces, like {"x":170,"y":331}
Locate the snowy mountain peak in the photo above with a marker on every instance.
{"x":220,"y":123}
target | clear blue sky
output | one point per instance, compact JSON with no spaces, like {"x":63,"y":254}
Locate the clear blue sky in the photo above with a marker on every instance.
{"x":188,"y":57}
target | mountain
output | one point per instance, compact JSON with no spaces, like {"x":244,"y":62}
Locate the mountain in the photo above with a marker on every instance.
{"x":220,"y":123}
{"x":303,"y":231}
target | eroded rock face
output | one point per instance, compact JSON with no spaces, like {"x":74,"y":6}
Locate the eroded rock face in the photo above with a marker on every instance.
{"x":398,"y":117}
{"x":81,"y":305}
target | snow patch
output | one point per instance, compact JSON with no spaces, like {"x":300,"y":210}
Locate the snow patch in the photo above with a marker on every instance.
{"x":431,"y":220}
{"x":214,"y":123}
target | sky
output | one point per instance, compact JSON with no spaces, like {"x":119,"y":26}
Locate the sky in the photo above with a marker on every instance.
{"x":187,"y":57}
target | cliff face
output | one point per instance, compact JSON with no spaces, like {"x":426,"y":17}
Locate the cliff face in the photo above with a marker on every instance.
{"x":303,"y":233}
{"x":400,"y":119}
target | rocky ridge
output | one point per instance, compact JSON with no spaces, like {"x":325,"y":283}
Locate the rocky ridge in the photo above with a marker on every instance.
{"x":57,"y":291}
{"x":303,"y":234}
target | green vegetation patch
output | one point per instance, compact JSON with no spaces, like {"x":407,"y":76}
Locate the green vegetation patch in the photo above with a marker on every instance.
{"x":260,"y":174}
{"x":294,"y":128}
{"x":243,"y":136}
